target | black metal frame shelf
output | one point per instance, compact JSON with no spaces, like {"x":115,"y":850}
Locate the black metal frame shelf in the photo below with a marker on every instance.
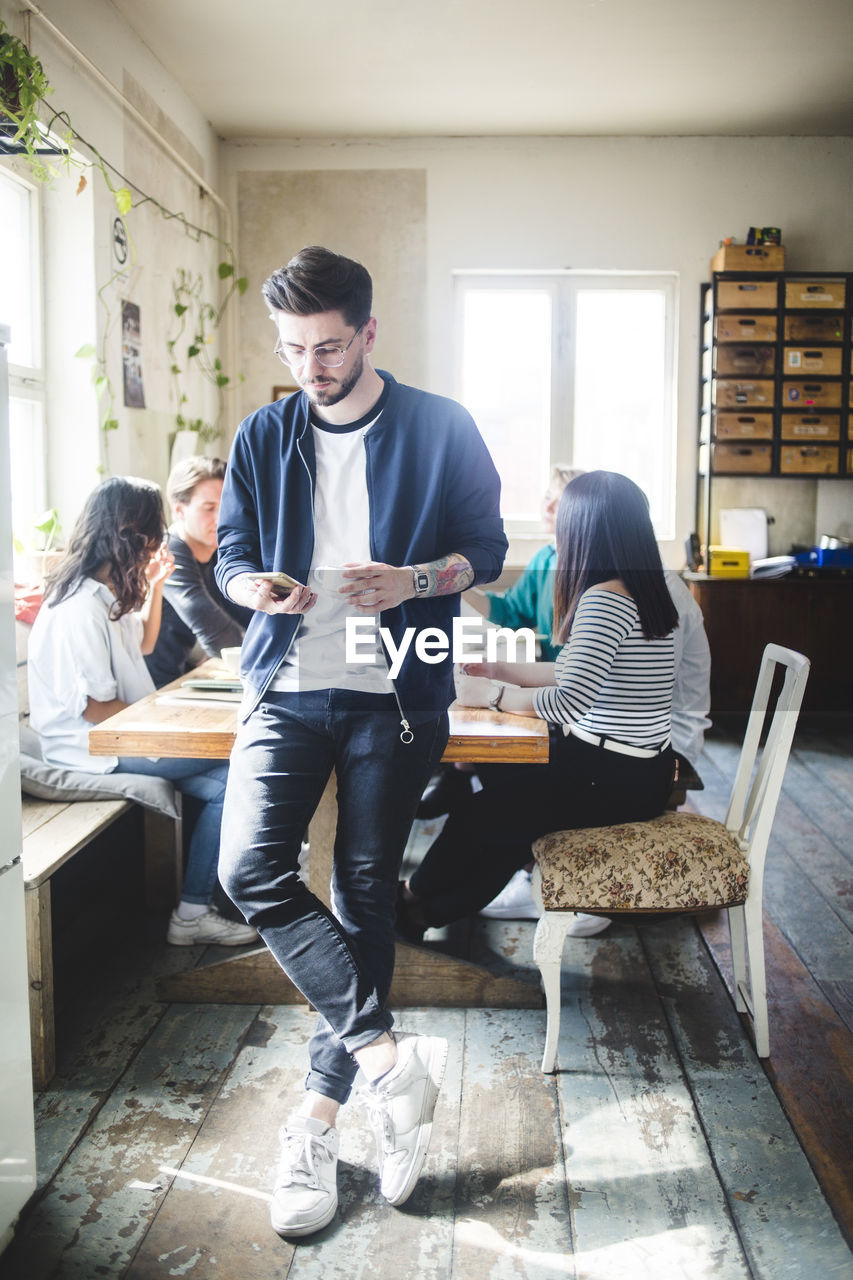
{"x":783,"y":406}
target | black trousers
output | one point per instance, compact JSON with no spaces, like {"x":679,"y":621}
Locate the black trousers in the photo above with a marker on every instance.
{"x":487,"y":836}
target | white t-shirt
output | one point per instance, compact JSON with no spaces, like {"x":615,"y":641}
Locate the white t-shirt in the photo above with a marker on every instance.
{"x":691,"y":696}
{"x":317,"y":657}
{"x":76,"y":652}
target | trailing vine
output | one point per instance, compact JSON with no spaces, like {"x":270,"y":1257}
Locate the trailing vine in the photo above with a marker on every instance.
{"x":24,"y":88}
{"x":199,"y":319}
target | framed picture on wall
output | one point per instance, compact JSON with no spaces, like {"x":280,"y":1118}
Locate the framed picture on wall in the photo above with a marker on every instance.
{"x":280,"y":393}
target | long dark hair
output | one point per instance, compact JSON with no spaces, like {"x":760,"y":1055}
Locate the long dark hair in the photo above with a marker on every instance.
{"x":604,"y":531}
{"x":120,"y":526}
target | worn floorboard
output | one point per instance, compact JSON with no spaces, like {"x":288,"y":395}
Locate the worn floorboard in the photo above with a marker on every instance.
{"x":810,"y":1065}
{"x":809,"y":952}
{"x":97,"y":1208}
{"x":784,"y":1224}
{"x":512,"y":1202}
{"x":645,"y":1197}
{"x":661,"y":1150}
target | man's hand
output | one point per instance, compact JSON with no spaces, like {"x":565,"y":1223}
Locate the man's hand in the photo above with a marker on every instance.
{"x":373,"y":587}
{"x":256,"y":593}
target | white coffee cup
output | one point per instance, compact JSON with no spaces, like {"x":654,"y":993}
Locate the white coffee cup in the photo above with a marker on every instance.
{"x":231,"y":658}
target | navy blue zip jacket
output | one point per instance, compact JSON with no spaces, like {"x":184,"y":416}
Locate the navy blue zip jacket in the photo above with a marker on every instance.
{"x":433,"y":490}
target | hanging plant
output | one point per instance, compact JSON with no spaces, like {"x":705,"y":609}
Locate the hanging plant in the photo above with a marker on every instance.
{"x":23,"y":89}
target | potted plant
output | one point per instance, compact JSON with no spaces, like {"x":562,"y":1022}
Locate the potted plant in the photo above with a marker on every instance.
{"x":42,"y":556}
{"x":23,"y":86}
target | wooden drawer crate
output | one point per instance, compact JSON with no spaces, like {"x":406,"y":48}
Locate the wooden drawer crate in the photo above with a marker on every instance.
{"x":740,"y":328}
{"x":753,"y":361}
{"x":812,"y":360}
{"x":815,"y":293}
{"x":812,"y":329}
{"x":749,"y":257}
{"x":818,"y":395}
{"x":743,"y":426}
{"x":737,"y":295}
{"x":745,"y":459}
{"x":752,"y":394}
{"x":811,"y":426}
{"x":808,"y":459}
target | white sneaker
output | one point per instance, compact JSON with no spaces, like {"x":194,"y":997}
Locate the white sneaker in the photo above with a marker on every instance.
{"x":401,"y":1105}
{"x":515,"y":900}
{"x":584,"y":926}
{"x":209,"y":927}
{"x":305,"y":1198}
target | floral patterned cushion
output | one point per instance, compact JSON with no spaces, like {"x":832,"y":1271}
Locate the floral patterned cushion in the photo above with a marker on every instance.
{"x":677,"y":862}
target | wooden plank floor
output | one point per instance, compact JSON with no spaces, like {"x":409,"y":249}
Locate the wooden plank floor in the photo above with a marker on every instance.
{"x":661,"y":1149}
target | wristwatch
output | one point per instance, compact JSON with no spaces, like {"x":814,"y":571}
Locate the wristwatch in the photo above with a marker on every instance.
{"x":495,"y":702}
{"x":420,"y":579}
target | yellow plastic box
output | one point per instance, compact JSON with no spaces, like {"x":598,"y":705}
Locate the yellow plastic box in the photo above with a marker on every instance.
{"x":728,"y":562}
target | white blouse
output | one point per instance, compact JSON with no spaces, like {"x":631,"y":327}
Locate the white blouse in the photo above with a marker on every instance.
{"x":76,"y":652}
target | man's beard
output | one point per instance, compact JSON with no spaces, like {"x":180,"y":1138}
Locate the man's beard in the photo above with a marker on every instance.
{"x":324,"y":397}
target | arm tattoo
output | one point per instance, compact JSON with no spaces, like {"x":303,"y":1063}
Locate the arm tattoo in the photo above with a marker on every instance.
{"x":448,"y":575}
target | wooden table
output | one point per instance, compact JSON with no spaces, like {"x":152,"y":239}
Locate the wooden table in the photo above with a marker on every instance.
{"x":164,"y":724}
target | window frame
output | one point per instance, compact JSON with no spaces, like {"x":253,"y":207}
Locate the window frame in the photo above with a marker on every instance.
{"x":27,"y":382}
{"x":564,"y":287}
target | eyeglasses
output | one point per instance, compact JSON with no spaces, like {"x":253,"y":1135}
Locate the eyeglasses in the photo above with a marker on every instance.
{"x":328,"y":357}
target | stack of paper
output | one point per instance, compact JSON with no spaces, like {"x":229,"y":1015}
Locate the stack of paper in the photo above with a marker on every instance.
{"x":772,"y":567}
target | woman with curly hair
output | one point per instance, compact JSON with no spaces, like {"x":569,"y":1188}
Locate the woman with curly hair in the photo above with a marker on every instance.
{"x":100,"y":616}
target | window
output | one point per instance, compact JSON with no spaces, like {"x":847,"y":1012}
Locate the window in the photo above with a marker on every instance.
{"x":573,"y":368}
{"x":21,"y":310}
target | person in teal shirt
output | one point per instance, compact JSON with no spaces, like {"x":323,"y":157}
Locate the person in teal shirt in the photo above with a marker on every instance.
{"x":530,"y":601}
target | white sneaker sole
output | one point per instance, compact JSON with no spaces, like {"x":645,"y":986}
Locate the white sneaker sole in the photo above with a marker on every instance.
{"x":181,"y":940}
{"x":588,"y":928}
{"x":304,"y":1228}
{"x":436,"y":1068}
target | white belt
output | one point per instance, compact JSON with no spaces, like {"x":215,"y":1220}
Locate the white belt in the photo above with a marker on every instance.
{"x":610,"y":744}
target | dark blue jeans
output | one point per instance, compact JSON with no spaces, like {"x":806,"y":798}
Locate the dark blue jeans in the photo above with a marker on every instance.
{"x":282,"y":759}
{"x":204,"y":779}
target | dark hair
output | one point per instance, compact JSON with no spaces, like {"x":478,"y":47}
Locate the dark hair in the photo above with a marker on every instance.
{"x":120,"y":525}
{"x":316,"y":280}
{"x":604,"y":531}
{"x":185,"y":475}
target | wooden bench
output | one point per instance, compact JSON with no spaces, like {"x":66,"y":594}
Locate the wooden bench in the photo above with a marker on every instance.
{"x":53,"y":832}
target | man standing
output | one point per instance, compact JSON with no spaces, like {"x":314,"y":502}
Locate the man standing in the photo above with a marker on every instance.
{"x":383,"y":502}
{"x":195,"y":613}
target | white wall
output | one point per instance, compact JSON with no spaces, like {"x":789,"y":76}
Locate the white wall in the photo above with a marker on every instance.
{"x":660,"y":204}
{"x":79,"y":245}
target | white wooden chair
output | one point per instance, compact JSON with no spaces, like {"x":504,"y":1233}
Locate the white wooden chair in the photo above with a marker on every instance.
{"x":680,"y":861}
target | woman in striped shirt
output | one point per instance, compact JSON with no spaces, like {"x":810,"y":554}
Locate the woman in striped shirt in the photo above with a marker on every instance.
{"x":607,"y":698}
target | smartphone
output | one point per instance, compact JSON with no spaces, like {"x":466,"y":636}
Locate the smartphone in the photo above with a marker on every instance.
{"x":282,"y":583}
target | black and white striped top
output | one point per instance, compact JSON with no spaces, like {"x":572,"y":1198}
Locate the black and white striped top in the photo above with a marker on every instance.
{"x":610,"y":679}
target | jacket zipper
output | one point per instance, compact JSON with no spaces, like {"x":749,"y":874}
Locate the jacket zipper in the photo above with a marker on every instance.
{"x":290,"y":644}
{"x":407,"y":734}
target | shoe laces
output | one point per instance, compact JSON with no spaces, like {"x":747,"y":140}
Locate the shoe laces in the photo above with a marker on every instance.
{"x":301,"y":1154}
{"x":379,"y":1115}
